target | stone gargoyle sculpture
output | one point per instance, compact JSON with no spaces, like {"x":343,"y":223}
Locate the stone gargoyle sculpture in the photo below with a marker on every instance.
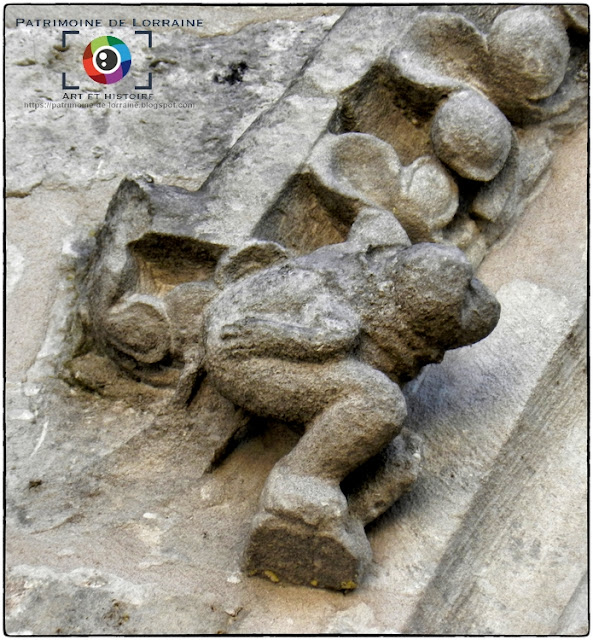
{"x":322,"y":340}
{"x":326,"y":340}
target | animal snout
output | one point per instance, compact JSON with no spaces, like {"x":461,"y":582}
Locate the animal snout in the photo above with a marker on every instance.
{"x":481,"y":313}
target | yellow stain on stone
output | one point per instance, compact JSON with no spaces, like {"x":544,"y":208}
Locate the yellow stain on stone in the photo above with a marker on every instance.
{"x":347,"y":585}
{"x":314,"y":583}
{"x":271,"y":575}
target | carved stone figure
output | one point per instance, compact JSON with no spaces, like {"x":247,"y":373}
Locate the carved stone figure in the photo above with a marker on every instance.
{"x":301,"y":282}
{"x":325,"y":340}
{"x":322,"y":342}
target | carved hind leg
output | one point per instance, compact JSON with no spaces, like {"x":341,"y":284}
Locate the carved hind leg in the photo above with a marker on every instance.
{"x":304,"y":532}
{"x":355,"y":426}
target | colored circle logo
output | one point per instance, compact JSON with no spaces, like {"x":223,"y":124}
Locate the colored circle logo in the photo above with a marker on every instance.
{"x":106,"y":60}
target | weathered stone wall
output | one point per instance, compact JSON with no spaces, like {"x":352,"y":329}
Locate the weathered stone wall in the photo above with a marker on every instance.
{"x":112,"y":525}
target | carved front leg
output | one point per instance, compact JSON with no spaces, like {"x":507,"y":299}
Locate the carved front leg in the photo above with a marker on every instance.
{"x":280,"y":314}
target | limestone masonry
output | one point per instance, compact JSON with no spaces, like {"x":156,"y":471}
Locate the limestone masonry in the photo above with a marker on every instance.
{"x":244,"y":371}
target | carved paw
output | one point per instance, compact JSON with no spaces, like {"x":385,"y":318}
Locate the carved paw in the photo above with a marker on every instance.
{"x":232,"y":331}
{"x":312,"y":500}
{"x":304,"y":534}
{"x":238,"y":336}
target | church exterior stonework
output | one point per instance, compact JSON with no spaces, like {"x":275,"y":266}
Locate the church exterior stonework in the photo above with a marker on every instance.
{"x":335,"y":340}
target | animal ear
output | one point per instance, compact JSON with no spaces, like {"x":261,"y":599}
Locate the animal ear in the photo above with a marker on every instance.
{"x":251,"y":256}
{"x":375,"y":227}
